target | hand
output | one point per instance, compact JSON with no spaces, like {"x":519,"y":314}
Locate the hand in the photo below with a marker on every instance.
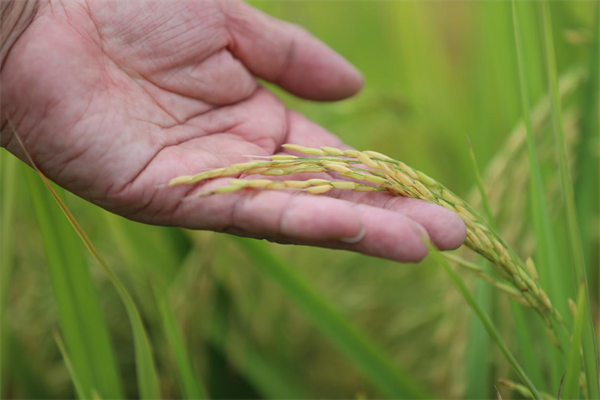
{"x":113,"y":99}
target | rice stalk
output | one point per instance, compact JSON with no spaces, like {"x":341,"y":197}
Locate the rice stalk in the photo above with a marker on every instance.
{"x":377,"y":172}
{"x":505,"y":166}
{"x":147,"y":377}
{"x":551,"y":274}
{"x":523,"y":391}
{"x":79,"y":388}
{"x":574,"y":235}
{"x":478,"y":370}
{"x":481,"y":273}
{"x":486,"y":322}
{"x":507,"y":172}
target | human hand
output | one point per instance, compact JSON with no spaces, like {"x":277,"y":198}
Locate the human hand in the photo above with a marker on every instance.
{"x":113,"y":99}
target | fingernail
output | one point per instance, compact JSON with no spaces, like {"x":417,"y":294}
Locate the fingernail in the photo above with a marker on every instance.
{"x":356,"y":238}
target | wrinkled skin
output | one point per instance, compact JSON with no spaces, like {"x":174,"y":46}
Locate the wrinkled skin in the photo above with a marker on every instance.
{"x":113,"y":99}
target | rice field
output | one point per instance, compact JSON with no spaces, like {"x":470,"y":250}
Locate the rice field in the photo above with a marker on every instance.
{"x":496,"y":103}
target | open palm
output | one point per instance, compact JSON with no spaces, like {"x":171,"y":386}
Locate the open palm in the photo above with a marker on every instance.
{"x":113,"y":99}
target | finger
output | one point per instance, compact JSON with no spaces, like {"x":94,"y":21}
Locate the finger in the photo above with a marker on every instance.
{"x":305,"y":219}
{"x":304,"y":132}
{"x":289,"y":56}
{"x":446,"y":230}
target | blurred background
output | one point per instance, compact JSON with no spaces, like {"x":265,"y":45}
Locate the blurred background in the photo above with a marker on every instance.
{"x":436,"y":72}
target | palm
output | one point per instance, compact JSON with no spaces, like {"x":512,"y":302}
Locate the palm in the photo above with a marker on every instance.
{"x":114,"y":99}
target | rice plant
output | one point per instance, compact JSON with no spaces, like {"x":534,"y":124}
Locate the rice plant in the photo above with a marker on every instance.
{"x":96,"y":306}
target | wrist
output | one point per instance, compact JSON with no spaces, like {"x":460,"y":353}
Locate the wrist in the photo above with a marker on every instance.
{"x":15,"y":17}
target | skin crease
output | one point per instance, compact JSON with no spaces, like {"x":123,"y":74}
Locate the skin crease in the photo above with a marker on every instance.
{"x":113,"y":99}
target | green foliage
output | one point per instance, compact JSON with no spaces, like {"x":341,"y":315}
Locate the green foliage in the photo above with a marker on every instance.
{"x":368,"y":358}
{"x":485,"y":320}
{"x":551,"y":275}
{"x":7,"y":261}
{"x":190,"y":385}
{"x":574,"y":236}
{"x":79,"y":388}
{"x":479,"y":369}
{"x":231,"y":318}
{"x":81,"y":318}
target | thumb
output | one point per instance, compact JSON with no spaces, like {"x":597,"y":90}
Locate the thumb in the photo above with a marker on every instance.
{"x":288,"y":55}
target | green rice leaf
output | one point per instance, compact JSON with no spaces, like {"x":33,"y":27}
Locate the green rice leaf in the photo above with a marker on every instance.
{"x":159,"y":253}
{"x":8,"y":194}
{"x":81,"y":393}
{"x":586,"y":165}
{"x":575,"y":244}
{"x":525,"y":339}
{"x":481,"y":186}
{"x":522,"y":331}
{"x":59,"y":255}
{"x":369,"y":359}
{"x":485,"y":320}
{"x":547,"y":266}
{"x":148,"y":384}
{"x":190,"y":384}
{"x":81,"y":318}
{"x":478,"y":368}
{"x":551,"y":275}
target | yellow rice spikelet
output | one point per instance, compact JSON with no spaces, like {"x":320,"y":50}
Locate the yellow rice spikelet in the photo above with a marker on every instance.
{"x":332,"y":151}
{"x":319,"y":189}
{"x":294,"y":147}
{"x":296,"y":184}
{"x":366,"y":160}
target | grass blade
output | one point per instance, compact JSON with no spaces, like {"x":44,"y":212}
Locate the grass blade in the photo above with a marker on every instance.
{"x":81,"y":393}
{"x":8,"y":194}
{"x":80,"y":315}
{"x":545,"y":241}
{"x":526,"y":340}
{"x":481,"y":186}
{"x":571,"y":383}
{"x":190,"y":385}
{"x":7,"y":211}
{"x":586,"y":165}
{"x":575,"y":246}
{"x":157,"y":253}
{"x":478,"y":368}
{"x":523,"y":335}
{"x":147,"y":377}
{"x":551,"y":275}
{"x":485,"y":320}
{"x":523,"y":391}
{"x":367,"y":358}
